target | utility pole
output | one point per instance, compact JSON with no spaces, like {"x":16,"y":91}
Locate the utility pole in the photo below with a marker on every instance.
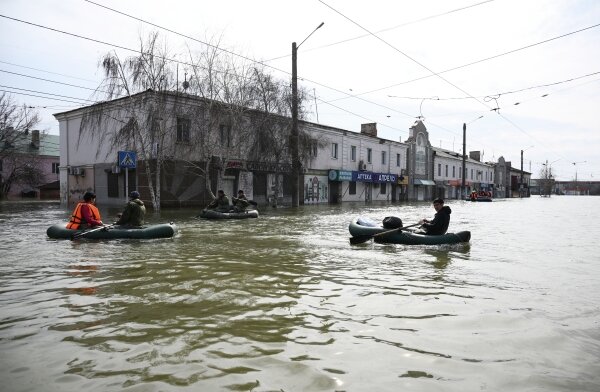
{"x":521,"y":180}
{"x":576,"y":187}
{"x":464,"y":161}
{"x":295,"y":135}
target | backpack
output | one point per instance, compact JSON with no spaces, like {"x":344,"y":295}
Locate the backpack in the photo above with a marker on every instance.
{"x":392,"y":222}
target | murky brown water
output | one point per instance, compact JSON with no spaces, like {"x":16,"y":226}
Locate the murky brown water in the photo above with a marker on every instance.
{"x":284,"y":303}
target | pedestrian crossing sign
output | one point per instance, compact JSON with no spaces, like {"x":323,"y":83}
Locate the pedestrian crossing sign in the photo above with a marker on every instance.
{"x":127,"y":159}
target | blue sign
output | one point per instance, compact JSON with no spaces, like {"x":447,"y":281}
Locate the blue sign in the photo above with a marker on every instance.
{"x":127,"y":159}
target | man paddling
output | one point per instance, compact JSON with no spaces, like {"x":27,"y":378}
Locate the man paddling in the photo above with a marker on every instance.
{"x":441,"y":220}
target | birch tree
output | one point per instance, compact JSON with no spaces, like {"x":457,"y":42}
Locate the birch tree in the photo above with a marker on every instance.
{"x":136,"y":121}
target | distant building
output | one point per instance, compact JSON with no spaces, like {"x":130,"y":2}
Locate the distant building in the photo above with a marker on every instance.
{"x":29,"y":164}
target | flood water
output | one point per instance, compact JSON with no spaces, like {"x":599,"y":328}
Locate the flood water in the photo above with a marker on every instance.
{"x":285,"y":303}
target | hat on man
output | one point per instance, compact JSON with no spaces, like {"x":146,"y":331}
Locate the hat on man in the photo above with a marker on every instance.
{"x":134,"y":195}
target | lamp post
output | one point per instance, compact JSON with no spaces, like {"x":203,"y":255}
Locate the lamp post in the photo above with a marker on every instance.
{"x":521,"y":181}
{"x":295,"y":137}
{"x":575,"y":164}
{"x":463,"y":189}
{"x":464,"y":158}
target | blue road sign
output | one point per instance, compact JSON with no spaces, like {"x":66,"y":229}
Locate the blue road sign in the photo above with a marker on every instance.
{"x":127,"y":159}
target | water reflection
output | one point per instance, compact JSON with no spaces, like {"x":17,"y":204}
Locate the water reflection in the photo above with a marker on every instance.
{"x":285,"y":303}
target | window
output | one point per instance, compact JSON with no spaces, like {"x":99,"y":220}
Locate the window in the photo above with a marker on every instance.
{"x":0,"y":165}
{"x":334,"y":150}
{"x":383,"y":188}
{"x":352,"y":188}
{"x":446,"y":170}
{"x":460,"y":174}
{"x":225,"y":134}
{"x":471,"y":174}
{"x":398,"y":160}
{"x":439,"y":169}
{"x":383,"y":157}
{"x":183,"y":130}
{"x":369,"y":155}
{"x":313,"y":150}
{"x":112,"y":185}
{"x":353,"y":153}
{"x":453,"y":171}
{"x":55,"y":168}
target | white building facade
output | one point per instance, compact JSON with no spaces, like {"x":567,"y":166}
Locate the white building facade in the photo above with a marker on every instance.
{"x":448,"y":174}
{"x":355,"y":167}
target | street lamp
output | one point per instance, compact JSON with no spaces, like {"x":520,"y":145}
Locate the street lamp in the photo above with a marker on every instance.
{"x":575,"y":164}
{"x":463,"y":187}
{"x":521,"y":181}
{"x":295,"y":137}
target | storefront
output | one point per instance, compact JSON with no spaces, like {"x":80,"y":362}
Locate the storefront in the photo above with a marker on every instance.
{"x":362,"y":185}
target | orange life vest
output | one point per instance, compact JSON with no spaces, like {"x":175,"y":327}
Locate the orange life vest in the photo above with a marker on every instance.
{"x":77,"y":217}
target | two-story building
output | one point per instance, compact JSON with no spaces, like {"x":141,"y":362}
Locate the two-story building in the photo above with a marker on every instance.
{"x":448,"y":174}
{"x":340,"y":166}
{"x":355,"y":167}
{"x":337,"y":165}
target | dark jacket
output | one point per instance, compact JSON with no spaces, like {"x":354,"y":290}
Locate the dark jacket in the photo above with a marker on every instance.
{"x":133,"y":215}
{"x":240,"y":203}
{"x":219,"y":204}
{"x":440,"y":222}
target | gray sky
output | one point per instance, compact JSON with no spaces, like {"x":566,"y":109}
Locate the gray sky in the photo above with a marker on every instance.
{"x":388,"y":62}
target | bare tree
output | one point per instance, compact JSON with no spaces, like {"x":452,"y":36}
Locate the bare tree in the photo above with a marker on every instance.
{"x":227,"y":109}
{"x":138,"y":118}
{"x":546,"y":181}
{"x":18,"y":163}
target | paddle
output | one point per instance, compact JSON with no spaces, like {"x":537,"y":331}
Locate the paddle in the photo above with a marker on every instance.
{"x":359,"y":239}
{"x":84,"y":233}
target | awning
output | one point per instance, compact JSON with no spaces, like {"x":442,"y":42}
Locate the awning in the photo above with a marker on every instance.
{"x":417,"y":181}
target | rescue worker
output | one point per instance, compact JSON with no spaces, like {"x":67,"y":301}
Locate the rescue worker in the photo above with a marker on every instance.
{"x":221,"y":203}
{"x":241,"y":202}
{"x":134,"y":212}
{"x":86,"y":214}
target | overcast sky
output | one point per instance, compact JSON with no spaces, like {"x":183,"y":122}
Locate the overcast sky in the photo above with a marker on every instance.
{"x":531,"y":68}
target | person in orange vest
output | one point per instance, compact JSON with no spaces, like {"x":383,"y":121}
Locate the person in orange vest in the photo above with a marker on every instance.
{"x":86,"y":214}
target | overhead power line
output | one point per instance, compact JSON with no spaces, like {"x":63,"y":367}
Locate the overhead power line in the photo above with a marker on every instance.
{"x":401,"y":52}
{"x":45,"y":71}
{"x":50,"y":81}
{"x":189,"y":64}
{"x":388,"y":29}
{"x":40,"y":92}
{"x":39,"y":96}
{"x":474,"y":62}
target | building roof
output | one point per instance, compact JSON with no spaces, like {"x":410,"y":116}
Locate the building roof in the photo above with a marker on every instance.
{"x":22,"y":142}
{"x":440,"y":152}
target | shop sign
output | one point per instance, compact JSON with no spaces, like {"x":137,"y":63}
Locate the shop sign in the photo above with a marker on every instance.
{"x":234,"y":165}
{"x":269,"y":167}
{"x":361,"y":176}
